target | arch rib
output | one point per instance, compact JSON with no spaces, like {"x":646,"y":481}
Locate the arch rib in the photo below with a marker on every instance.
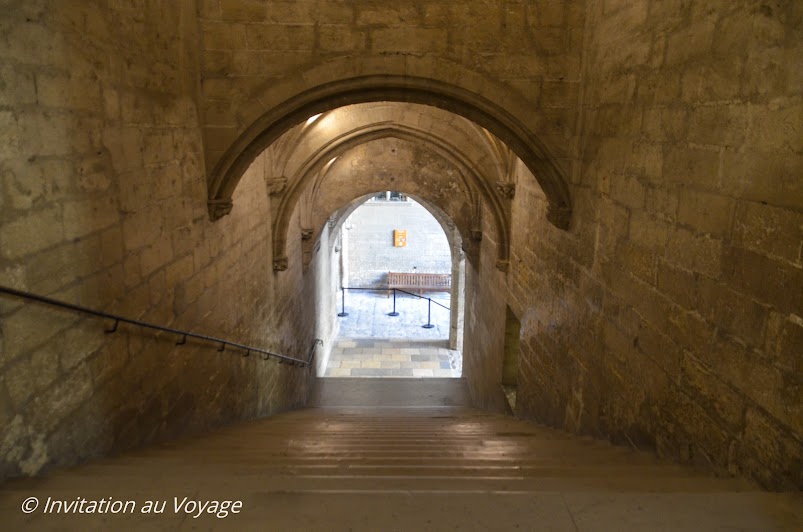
{"x":310,"y":170}
{"x":374,"y":88}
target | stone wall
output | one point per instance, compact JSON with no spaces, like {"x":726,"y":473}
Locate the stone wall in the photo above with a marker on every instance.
{"x":484,"y":324}
{"x":405,"y":166}
{"x":103,"y":203}
{"x":670,"y":316}
{"x":324,"y":278}
{"x":371,"y":252}
{"x":258,"y":53}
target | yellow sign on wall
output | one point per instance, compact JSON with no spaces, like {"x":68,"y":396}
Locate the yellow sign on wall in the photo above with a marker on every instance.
{"x":400,"y":238}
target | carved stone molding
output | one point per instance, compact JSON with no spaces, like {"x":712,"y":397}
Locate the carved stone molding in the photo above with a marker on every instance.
{"x":218,"y":208}
{"x":276,"y":185}
{"x":560,"y":217}
{"x":503,"y":265}
{"x":476,"y":235}
{"x":306,"y":233}
{"x":280,"y":264}
{"x":506,"y":189}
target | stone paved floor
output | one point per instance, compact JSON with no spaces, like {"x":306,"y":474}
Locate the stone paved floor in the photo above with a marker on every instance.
{"x":372,"y":344}
{"x":373,"y":357}
{"x":368,"y":316}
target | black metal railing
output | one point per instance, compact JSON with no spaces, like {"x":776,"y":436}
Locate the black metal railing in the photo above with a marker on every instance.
{"x":222,"y":344}
{"x":311,"y":354}
{"x":430,"y":301}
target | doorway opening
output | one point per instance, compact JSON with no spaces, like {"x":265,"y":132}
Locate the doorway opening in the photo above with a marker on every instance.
{"x":400,"y":277}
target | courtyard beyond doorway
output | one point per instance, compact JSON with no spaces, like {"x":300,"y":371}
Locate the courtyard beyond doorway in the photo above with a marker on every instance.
{"x":372,"y":344}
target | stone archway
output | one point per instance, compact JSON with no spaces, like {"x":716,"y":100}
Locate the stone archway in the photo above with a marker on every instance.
{"x":312,"y":171}
{"x":455,"y":241}
{"x":372,"y":88}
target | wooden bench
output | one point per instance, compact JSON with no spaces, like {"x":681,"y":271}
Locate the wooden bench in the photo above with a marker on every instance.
{"x":420,"y":282}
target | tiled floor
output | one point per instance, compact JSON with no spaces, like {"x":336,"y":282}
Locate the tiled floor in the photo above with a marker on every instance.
{"x":370,"y":357}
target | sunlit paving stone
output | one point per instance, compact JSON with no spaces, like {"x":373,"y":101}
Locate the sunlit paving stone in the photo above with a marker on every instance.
{"x":372,"y":344}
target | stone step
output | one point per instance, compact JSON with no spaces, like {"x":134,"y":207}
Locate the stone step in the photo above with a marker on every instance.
{"x":402,"y":392}
{"x":132,"y":483}
{"x":303,"y":470}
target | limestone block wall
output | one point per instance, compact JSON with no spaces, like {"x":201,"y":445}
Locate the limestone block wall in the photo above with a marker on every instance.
{"x":670,"y":315}
{"x":103,"y":203}
{"x":371,"y":252}
{"x":484,"y":325}
{"x":257,"y":53}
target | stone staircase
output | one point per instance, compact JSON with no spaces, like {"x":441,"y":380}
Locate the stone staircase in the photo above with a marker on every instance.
{"x":406,"y":454}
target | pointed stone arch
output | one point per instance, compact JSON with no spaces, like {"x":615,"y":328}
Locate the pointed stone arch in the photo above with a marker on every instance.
{"x":450,"y":229}
{"x":454,"y":237}
{"x":400,"y":88}
{"x":478,"y":187}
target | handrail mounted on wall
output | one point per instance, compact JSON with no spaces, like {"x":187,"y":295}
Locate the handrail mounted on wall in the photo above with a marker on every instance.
{"x":222,"y":344}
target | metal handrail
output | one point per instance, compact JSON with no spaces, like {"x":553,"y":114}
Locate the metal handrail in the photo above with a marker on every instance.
{"x":399,"y":290}
{"x":184,"y":334}
{"x":311,"y":354}
{"x":430,"y":301}
{"x":422,"y":297}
